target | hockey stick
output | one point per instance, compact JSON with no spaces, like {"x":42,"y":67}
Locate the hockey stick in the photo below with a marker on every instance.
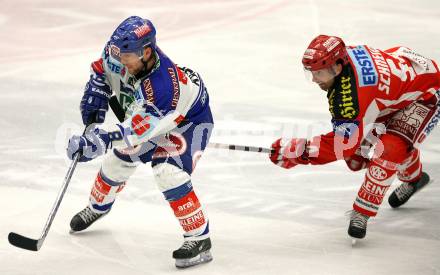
{"x":117,"y":108}
{"x":35,"y":245}
{"x":120,"y":114}
{"x":239,"y":147}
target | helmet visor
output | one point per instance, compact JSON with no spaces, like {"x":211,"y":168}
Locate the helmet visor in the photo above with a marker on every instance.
{"x":117,"y":54}
{"x":320,"y":76}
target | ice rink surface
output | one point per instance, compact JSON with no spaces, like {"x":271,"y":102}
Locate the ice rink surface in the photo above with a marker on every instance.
{"x":264,"y":219}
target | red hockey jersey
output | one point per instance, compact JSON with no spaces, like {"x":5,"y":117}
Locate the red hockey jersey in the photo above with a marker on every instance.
{"x":370,"y":89}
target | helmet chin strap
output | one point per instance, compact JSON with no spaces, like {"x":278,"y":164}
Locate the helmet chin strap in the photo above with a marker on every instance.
{"x":145,"y":69}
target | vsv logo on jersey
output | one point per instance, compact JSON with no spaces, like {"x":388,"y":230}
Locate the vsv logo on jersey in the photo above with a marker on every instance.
{"x":364,"y":66}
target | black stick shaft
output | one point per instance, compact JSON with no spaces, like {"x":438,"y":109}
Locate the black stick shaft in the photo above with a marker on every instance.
{"x":239,"y":147}
{"x":117,"y":108}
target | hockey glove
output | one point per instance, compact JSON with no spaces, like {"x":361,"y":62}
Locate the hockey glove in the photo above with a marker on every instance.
{"x":288,"y":153}
{"x":92,"y":144}
{"x":356,"y":161}
{"x":94,"y":103}
{"x":359,"y":160}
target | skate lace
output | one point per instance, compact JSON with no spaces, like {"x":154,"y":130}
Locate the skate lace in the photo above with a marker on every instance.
{"x":188,"y":245}
{"x":404,"y":191}
{"x":88,"y":215}
{"x":358,"y":220}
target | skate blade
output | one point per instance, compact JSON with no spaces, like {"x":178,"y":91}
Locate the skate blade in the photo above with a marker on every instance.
{"x":353,"y":241}
{"x":203,"y":257}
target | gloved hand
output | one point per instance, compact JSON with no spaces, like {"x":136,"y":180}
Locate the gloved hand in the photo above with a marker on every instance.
{"x":357,"y":161}
{"x":94,"y":103}
{"x":288,"y":153}
{"x":92,"y":144}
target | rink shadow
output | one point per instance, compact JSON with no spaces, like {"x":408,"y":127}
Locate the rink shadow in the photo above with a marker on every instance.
{"x":91,"y":233}
{"x":408,"y":210}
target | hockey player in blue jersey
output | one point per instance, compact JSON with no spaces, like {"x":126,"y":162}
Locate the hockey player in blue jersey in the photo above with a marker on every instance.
{"x":167,"y":123}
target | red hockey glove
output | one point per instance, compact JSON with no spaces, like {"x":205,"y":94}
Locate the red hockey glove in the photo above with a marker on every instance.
{"x":288,"y":153}
{"x":356,"y":161}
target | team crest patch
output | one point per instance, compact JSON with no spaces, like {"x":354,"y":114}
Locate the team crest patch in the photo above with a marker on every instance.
{"x":171,"y":145}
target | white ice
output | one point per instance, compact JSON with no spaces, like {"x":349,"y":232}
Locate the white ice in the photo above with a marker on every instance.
{"x":264,"y":220}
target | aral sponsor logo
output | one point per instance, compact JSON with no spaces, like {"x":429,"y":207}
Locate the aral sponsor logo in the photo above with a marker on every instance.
{"x":365,"y":69}
{"x":186,"y":206}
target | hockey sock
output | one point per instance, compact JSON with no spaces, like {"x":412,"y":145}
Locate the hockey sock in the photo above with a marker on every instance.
{"x":104,"y":193}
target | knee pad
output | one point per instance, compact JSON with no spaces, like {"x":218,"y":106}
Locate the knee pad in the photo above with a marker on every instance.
{"x":169,"y":176}
{"x":117,"y":169}
{"x":392,"y":148}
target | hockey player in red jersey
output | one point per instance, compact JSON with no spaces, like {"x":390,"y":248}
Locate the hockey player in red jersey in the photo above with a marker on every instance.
{"x":383,"y":105}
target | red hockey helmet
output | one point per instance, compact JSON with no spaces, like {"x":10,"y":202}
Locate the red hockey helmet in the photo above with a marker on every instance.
{"x":323,"y":52}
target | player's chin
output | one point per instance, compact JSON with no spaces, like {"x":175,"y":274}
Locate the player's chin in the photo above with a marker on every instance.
{"x":131,"y":71}
{"x":323,"y":86}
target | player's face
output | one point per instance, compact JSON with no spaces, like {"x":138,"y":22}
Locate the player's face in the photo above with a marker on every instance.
{"x":132,"y":62}
{"x":325,"y":77}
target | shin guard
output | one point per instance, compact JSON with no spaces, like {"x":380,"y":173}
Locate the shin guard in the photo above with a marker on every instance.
{"x":104,"y":193}
{"x":381,"y":171}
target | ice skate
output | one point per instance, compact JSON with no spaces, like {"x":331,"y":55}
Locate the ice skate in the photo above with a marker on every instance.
{"x":193,"y":253}
{"x":84,"y":219}
{"x":405,"y":191}
{"x":358,"y":226}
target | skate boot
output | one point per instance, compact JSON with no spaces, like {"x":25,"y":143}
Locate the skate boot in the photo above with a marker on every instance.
{"x":358,"y":225}
{"x":193,"y":253}
{"x":402,"y":193}
{"x":84,"y":219}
